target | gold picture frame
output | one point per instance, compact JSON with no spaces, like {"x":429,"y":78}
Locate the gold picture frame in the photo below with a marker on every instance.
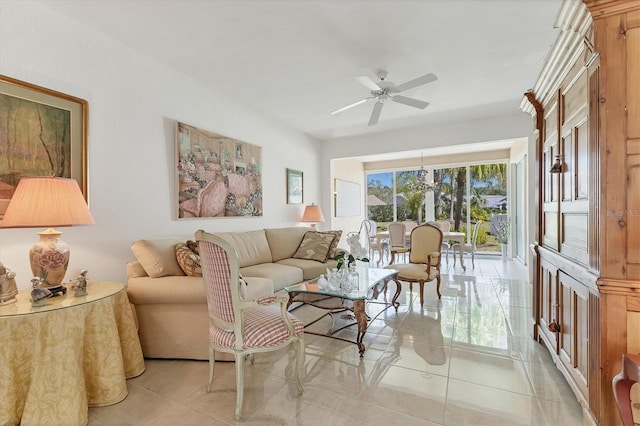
{"x":42,"y":133}
{"x":295,"y":187}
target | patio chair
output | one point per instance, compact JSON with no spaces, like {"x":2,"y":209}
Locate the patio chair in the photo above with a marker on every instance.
{"x":238,"y":326}
{"x":424,"y":259}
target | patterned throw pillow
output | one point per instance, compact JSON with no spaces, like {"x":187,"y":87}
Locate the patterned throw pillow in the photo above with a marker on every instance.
{"x":188,"y":260}
{"x":333,"y":249}
{"x":314,"y":246}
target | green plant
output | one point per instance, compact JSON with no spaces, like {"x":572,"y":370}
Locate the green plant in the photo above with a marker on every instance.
{"x":346,"y":257}
{"x":482,"y":237}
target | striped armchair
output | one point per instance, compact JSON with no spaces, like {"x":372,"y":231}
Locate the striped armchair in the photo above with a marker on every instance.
{"x":238,"y":326}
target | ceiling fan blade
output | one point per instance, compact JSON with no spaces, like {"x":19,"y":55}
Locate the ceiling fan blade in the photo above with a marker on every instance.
{"x":416,"y":103}
{"x":427,"y":78}
{"x":368,"y":83}
{"x":350,"y":106}
{"x":375,"y":114}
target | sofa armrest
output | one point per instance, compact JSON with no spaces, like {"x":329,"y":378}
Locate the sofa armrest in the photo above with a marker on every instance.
{"x":135,"y":270}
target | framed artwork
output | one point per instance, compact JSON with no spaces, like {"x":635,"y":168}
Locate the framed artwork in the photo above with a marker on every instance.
{"x":42,"y":133}
{"x":216,"y":176}
{"x":295,"y":189}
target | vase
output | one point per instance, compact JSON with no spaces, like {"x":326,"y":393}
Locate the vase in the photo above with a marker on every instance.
{"x":505,"y":252}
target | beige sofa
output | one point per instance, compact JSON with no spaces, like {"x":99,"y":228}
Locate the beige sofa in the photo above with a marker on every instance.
{"x":170,"y":307}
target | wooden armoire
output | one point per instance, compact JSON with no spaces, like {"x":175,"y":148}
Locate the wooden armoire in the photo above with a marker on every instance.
{"x":586,"y":110}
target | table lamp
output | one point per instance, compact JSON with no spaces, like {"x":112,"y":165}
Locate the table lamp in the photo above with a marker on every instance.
{"x":48,"y":202}
{"x":313,"y":214}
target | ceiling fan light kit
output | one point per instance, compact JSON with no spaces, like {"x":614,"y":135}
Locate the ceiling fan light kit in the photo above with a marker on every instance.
{"x":384,"y":90}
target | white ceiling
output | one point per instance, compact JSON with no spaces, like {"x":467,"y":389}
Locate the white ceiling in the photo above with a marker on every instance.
{"x":296,"y":60}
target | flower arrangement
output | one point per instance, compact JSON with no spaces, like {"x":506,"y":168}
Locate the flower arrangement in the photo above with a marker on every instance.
{"x":356,"y":252}
{"x":503,"y":228}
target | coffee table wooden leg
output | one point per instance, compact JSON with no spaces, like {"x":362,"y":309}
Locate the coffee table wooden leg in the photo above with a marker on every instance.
{"x":361,"y":318}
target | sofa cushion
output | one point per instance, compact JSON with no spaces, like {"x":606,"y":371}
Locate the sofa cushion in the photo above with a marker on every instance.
{"x":251,"y":246}
{"x":188,"y":260}
{"x":158,"y":256}
{"x":310,"y":268}
{"x":281,"y":275}
{"x":314,"y":246}
{"x":284,"y":242}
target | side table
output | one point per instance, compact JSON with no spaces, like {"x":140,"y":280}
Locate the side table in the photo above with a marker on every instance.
{"x":73,"y":353}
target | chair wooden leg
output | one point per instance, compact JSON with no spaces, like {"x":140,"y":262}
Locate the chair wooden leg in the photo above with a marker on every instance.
{"x":212,"y":366}
{"x":422,"y":293}
{"x":299,"y":364}
{"x":438,"y":278}
{"x":239,"y":384}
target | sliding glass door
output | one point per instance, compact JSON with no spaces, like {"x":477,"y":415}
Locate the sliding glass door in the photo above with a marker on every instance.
{"x":461,"y":195}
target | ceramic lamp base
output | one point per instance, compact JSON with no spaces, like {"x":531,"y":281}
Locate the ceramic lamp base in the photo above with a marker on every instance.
{"x":49,"y":258}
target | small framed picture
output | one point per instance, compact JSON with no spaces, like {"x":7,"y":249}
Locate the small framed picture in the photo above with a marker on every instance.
{"x":295,"y":190}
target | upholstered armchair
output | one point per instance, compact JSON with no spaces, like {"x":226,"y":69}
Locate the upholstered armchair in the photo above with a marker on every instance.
{"x":424,"y":259}
{"x":242,"y":327}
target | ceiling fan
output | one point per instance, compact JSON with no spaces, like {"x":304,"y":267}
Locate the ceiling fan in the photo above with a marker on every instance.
{"x":384,"y":89}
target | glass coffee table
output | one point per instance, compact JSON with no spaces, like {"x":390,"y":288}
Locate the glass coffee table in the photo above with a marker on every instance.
{"x":372,"y":283}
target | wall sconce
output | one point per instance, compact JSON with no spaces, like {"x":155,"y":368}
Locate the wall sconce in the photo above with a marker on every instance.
{"x":558,"y":166}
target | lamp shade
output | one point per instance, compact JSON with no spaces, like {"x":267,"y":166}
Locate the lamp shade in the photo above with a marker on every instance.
{"x":46,"y":202}
{"x":313,"y":213}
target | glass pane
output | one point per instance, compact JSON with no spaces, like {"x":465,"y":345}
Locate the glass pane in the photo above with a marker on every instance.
{"x":449,"y":196}
{"x":489,"y":203}
{"x":409,"y":196}
{"x":380,"y":198}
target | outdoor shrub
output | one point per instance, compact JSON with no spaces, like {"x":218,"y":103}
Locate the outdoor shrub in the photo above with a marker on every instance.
{"x":482,"y":237}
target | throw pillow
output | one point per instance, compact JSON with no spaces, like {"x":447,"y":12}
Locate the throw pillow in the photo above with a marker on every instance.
{"x":314,"y":246}
{"x":333,"y":249}
{"x":193,"y":246}
{"x":188,"y":260}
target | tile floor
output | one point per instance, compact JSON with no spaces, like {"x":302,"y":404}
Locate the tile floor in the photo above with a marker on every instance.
{"x":465,"y":360}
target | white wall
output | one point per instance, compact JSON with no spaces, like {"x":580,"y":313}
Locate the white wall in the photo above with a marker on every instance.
{"x":352,"y":171}
{"x":133,"y":105}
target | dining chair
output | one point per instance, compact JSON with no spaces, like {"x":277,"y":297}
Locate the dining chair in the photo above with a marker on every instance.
{"x":424,"y":259}
{"x":445,"y":226}
{"x":397,"y":240}
{"x":242,"y":327}
{"x":468,"y":247}
{"x":377,"y":243}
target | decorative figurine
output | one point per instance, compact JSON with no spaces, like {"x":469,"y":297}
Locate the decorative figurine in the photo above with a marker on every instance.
{"x":39,"y":294}
{"x":80,"y":285}
{"x":8,"y":287}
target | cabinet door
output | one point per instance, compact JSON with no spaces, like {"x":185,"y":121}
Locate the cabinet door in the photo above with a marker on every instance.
{"x":549,"y":303}
{"x":574,"y":325}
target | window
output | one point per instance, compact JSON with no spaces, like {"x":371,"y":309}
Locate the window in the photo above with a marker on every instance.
{"x":461,"y":195}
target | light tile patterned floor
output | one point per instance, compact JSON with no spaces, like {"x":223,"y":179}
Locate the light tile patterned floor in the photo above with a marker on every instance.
{"x":464,"y":360}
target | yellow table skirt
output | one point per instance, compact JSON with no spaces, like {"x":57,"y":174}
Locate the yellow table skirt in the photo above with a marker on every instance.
{"x":73,"y":354}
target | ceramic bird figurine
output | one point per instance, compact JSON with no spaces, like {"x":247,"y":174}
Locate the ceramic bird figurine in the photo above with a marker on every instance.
{"x":39,"y":294}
